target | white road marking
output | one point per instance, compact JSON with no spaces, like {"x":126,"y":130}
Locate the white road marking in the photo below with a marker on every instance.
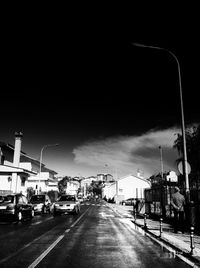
{"x":79,"y":219}
{"x":36,"y":223}
{"x":43,"y":255}
{"x":21,"y":249}
{"x":106,"y":215}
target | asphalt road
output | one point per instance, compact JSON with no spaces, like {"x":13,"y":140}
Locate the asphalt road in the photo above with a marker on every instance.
{"x":97,"y":237}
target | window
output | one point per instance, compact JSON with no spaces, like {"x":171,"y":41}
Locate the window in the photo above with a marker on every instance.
{"x":20,"y":200}
{"x":23,"y":180}
{"x":25,"y":201}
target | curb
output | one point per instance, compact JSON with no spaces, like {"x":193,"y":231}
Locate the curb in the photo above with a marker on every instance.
{"x":184,"y":256}
{"x":179,"y":252}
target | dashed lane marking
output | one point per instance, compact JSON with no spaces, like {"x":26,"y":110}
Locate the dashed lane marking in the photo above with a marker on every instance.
{"x":43,"y":255}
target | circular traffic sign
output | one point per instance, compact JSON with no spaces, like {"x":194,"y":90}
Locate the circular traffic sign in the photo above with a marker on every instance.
{"x":180,"y":167}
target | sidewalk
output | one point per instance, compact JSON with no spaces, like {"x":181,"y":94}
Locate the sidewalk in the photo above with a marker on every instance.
{"x":181,"y":243}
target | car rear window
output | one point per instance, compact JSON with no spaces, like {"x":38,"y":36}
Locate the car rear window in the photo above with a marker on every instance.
{"x":37,"y":198}
{"x":7,"y":198}
{"x":67,"y":198}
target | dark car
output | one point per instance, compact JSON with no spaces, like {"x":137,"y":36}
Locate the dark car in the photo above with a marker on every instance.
{"x":15,"y":207}
{"x":129,"y":202}
{"x":41,"y":203}
{"x":66,"y":204}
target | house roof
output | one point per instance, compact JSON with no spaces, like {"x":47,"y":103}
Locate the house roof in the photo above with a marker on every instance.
{"x":8,"y":170}
{"x":131,"y":175}
{"x":25,"y":158}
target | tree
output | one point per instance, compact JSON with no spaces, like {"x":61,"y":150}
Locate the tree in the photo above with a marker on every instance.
{"x":193,"y":146}
{"x":193,"y":150}
{"x":97,"y":187}
{"x":30,"y":192}
{"x":62,"y":185}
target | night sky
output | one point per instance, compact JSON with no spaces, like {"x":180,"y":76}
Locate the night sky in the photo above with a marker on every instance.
{"x":85,"y":86}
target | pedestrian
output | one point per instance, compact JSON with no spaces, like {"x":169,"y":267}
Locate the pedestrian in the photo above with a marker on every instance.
{"x":178,"y":203}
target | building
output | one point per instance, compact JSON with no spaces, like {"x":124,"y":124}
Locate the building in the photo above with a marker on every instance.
{"x":44,"y":181}
{"x":18,"y":171}
{"x":129,"y":186}
{"x":85,"y":184}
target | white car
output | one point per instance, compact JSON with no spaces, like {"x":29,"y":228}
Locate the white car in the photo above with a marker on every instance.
{"x":66,"y":204}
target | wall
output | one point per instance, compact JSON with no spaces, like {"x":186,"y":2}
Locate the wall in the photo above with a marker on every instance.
{"x":5,"y":182}
{"x":132,"y":187}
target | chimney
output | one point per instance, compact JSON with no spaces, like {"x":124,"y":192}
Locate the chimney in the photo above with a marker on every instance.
{"x":139,"y":173}
{"x":18,"y":143}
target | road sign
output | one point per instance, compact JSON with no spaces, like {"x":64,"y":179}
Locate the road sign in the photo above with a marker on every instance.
{"x":180,"y":167}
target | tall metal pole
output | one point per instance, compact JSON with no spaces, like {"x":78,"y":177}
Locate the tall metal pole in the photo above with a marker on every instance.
{"x":185,"y":167}
{"x":161,"y":161}
{"x":41,"y":153}
{"x":161,"y":184}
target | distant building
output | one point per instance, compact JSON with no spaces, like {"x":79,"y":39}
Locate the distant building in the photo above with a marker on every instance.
{"x":100,"y":177}
{"x":85,"y":184}
{"x":105,"y":177}
{"x":72,"y":187}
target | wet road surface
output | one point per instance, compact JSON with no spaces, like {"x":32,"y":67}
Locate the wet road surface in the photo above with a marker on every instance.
{"x":97,"y":238}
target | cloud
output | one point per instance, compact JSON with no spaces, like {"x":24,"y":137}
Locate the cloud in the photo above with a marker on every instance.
{"x":126,"y":154}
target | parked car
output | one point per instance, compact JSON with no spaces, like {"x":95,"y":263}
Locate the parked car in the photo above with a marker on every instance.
{"x":41,"y":203}
{"x":66,"y":204}
{"x":129,"y":202}
{"x":15,"y":207}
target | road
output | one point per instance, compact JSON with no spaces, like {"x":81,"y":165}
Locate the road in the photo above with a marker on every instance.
{"x":98,"y":237}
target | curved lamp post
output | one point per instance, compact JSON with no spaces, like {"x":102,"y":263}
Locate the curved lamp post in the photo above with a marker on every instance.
{"x":185,"y":167}
{"x":41,"y":153}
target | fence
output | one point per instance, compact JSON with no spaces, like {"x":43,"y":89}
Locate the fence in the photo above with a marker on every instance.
{"x":157,"y":204}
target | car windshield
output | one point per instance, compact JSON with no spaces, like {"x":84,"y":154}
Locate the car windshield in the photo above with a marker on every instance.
{"x":37,"y":199}
{"x":67,"y":198}
{"x":7,"y":199}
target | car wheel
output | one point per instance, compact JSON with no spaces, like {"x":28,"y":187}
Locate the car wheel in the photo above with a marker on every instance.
{"x":55,"y":213}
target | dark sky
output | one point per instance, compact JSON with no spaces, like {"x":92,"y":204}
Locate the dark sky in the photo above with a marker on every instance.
{"x":82,"y":79}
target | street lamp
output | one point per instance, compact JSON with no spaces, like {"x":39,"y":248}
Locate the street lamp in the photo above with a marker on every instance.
{"x":161,"y":161}
{"x":162,"y":209}
{"x":185,"y":164}
{"x":44,"y":147}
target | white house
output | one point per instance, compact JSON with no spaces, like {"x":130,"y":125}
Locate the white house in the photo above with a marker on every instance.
{"x":18,"y":171}
{"x":109,"y":190}
{"x":132,"y":186}
{"x":44,"y":181}
{"x":7,"y":185}
{"x":129,"y":186}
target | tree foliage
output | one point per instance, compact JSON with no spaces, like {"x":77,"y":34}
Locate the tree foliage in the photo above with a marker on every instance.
{"x":193,"y":147}
{"x":30,"y":192}
{"x":62,"y":185}
{"x":96,"y":187}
